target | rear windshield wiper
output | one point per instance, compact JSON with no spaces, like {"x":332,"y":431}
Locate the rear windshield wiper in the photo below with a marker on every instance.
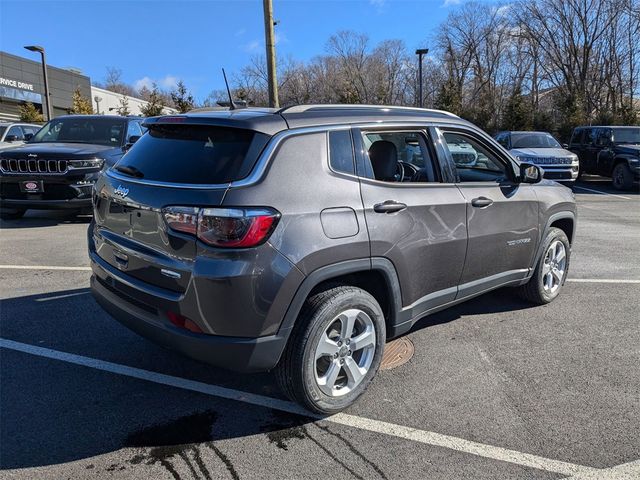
{"x":131,"y":171}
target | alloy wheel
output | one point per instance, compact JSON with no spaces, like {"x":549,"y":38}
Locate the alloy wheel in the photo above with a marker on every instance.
{"x":345,"y":352}
{"x":554,"y":267}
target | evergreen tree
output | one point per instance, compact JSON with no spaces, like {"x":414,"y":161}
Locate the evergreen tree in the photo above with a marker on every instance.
{"x":182,"y":98}
{"x":449,"y":97}
{"x":154,"y":106}
{"x":80,"y":104}
{"x":123,"y":109}
{"x":29,"y":113}
{"x":517,"y":112}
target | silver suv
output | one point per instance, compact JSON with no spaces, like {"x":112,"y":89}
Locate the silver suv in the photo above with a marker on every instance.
{"x":540,"y":148}
{"x":303,"y":239}
{"x":15,"y":134}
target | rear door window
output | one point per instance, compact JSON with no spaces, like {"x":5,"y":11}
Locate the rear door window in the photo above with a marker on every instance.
{"x":193,"y":154}
{"x":399,"y":156}
{"x":341,"y":151}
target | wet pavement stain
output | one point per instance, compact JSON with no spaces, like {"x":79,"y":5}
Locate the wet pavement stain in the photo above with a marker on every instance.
{"x":287,"y":427}
{"x":284,"y":428}
{"x":178,"y":439}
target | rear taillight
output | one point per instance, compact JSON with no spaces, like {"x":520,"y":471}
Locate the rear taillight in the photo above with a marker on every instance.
{"x":224,"y":227}
{"x":182,"y":219}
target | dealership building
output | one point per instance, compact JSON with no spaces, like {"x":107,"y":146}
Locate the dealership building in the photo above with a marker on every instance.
{"x":21,"y":81}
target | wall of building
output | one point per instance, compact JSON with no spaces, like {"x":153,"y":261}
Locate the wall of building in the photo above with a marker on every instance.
{"x":21,"y":80}
{"x":109,"y":102}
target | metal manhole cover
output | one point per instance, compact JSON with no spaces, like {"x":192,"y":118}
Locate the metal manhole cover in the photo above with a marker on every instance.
{"x":397,"y":352}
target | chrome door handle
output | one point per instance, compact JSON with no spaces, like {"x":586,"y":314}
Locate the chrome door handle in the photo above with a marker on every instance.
{"x":481,"y":202}
{"x":389,"y":206}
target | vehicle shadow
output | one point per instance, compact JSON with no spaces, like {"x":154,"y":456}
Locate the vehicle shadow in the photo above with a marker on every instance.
{"x":45,"y":218}
{"x":55,"y":412}
{"x":497,"y":301}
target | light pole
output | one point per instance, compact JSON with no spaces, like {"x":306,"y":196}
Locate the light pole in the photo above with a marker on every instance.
{"x":47,"y":98}
{"x":98,"y":100}
{"x":420,"y":52}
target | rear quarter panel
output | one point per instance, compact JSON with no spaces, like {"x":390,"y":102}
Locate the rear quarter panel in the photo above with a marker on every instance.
{"x":315,"y":203}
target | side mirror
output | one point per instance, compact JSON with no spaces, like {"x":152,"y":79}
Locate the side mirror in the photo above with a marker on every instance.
{"x":530,"y":173}
{"x":565,"y":146}
{"x":11,"y":138}
{"x":132,"y":139}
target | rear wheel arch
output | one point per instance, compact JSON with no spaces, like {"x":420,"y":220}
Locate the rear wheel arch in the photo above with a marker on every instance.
{"x":376,"y":276}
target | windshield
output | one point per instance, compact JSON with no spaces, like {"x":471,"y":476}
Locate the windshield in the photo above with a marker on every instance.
{"x":96,"y":131}
{"x":533,"y":140}
{"x":626,"y":135}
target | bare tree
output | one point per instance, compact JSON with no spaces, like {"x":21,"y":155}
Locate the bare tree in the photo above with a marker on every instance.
{"x":113,"y":82}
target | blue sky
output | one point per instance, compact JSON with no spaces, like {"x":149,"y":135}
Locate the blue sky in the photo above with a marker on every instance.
{"x":166,"y":40}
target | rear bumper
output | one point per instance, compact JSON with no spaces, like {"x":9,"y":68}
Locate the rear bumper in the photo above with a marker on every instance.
{"x":232,"y":353}
{"x":243,"y":320}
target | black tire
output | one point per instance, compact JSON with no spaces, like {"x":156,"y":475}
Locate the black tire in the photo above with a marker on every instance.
{"x":296,"y":371}
{"x":534,"y":290}
{"x":621,"y":177}
{"x":12,"y":213}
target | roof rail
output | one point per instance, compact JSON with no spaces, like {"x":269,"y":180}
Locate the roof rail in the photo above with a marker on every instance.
{"x":344,"y":106}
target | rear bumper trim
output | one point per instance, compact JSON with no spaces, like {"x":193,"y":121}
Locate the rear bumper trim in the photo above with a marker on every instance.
{"x":233,"y":353}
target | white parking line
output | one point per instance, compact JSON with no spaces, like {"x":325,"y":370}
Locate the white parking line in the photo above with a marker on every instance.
{"x":601,"y":280}
{"x":376,"y":426}
{"x":602,"y":193}
{"x":44,"y":267}
{"x":626,"y":471}
{"x":58,"y":297}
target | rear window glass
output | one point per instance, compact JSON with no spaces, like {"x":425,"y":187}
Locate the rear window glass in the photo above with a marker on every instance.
{"x":341,"y":151}
{"x":193,"y":154}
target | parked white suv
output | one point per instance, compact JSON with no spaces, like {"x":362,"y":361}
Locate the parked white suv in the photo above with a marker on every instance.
{"x":15,"y":134}
{"x":540,"y":148}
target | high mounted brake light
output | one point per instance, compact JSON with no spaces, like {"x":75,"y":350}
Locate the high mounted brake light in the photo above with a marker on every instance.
{"x":172,"y":120}
{"x":224,"y":227}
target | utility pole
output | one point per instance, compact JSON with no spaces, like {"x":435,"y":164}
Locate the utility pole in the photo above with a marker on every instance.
{"x":271,"y":53}
{"x":420,"y":52}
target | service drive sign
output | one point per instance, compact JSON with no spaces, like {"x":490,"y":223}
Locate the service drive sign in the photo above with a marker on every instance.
{"x":7,"y":82}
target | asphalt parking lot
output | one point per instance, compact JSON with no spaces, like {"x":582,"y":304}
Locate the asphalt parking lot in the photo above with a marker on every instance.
{"x":496,"y":388}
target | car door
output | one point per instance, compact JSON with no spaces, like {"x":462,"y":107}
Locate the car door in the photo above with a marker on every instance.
{"x":502,"y":214}
{"x":591,"y":149}
{"x":415,"y":217}
{"x":605,"y":156}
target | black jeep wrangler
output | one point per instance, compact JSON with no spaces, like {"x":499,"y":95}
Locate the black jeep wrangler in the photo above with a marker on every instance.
{"x":609,"y":151}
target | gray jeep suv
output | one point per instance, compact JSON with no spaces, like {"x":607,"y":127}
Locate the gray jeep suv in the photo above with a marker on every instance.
{"x":302,"y":239}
